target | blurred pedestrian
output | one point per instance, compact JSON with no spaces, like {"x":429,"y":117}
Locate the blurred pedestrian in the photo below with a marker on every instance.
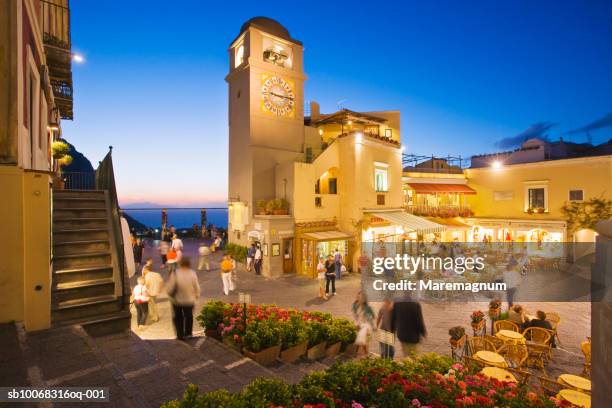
{"x":137,"y":248}
{"x":321,"y":277}
{"x":257,"y":259}
{"x":141,"y":301}
{"x":338,"y":263}
{"x":177,"y":245}
{"x":172,"y":260}
{"x":183,"y":289}
{"x":226,"y":274}
{"x":154,"y":283}
{"x":408,"y":325}
{"x":203,"y":257}
{"x":163,"y":252}
{"x":383,"y":322}
{"x":364,"y":320}
{"x":250,"y":257}
{"x":330,"y":276}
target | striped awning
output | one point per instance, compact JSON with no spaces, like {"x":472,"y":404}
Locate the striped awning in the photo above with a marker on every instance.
{"x":334,"y":235}
{"x":409,"y":221}
{"x":450,"y":223}
{"x":431,"y":188}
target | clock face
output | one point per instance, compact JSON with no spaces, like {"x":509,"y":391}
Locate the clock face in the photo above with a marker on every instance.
{"x":278,"y":96}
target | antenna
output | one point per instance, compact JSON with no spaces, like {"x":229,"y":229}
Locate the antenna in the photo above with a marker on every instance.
{"x":340,"y":102}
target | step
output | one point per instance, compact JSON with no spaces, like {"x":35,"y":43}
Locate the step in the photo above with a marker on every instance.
{"x":81,"y":260}
{"x":104,"y":324}
{"x":77,"y":193}
{"x":79,"y":223}
{"x":79,"y":212}
{"x":68,"y":275}
{"x":85,"y":308}
{"x":79,"y":234}
{"x":79,"y":202}
{"x":80,"y":247}
{"x":65,"y":291}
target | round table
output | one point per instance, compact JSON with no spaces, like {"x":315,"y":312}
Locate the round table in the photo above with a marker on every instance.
{"x":580,"y":399}
{"x":499,"y":374}
{"x":491,"y":358}
{"x":576,"y":382}
{"x":511,"y":337}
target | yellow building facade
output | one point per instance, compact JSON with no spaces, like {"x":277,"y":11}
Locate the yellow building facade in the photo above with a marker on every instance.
{"x":335,"y":177}
{"x":29,"y":122}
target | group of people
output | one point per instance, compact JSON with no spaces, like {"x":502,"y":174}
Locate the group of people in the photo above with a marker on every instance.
{"x":518,"y":315}
{"x":328,"y":270}
{"x":254,"y":258}
{"x":403,"y":318}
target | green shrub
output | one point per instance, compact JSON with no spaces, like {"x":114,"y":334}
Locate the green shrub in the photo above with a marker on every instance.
{"x":262,"y":334}
{"x":267,"y":392}
{"x":341,"y":330}
{"x":238,"y":252}
{"x":211,"y":315}
{"x":316,"y":332}
{"x":293,"y":332}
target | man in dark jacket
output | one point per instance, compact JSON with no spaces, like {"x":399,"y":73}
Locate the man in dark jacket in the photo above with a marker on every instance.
{"x":408,"y":325}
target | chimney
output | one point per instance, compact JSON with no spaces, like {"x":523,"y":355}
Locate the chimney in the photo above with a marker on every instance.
{"x":315,"y":113}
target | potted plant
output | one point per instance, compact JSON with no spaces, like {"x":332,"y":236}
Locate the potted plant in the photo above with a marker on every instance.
{"x":341,"y":332}
{"x":494,"y":308}
{"x":282,"y":206}
{"x":294,"y":339}
{"x":211,"y":316}
{"x":261,"y":207}
{"x":60,"y":152}
{"x":478,"y":321}
{"x":262,"y":341}
{"x":456,"y":334}
{"x":316,"y":329}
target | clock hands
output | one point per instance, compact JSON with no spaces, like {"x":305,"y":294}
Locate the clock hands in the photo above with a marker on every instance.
{"x":281,"y":96}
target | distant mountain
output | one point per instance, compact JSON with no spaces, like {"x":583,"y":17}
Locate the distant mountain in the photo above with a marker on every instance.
{"x":149,"y":204}
{"x":80,"y":163}
{"x":133,"y":224}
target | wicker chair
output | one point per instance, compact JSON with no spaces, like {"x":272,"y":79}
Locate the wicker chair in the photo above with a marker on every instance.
{"x":497,"y":342}
{"x":537,"y":356}
{"x":538,"y":335}
{"x":515,"y":354}
{"x":521,"y":375}
{"x":478,"y":343}
{"x":585,"y":346}
{"x":470,"y":362}
{"x":506,"y":325}
{"x":548,"y":386}
{"x":554,"y":320}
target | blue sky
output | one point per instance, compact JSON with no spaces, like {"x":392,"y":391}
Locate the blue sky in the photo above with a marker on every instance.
{"x":464,"y":75}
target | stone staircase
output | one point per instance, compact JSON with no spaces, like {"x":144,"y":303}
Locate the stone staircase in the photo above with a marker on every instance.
{"x":86,"y":284}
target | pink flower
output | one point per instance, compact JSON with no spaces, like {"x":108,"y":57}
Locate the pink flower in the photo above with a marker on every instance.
{"x":356,"y":405}
{"x":416,"y":402}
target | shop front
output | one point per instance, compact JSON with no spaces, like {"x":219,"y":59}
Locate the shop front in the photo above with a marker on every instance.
{"x":320,"y":241}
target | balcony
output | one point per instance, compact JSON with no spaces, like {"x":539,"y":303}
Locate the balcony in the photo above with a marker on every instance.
{"x":442,"y":211}
{"x":58,"y":50}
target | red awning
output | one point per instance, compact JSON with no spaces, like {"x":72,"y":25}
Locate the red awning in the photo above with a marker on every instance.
{"x":428,"y":188}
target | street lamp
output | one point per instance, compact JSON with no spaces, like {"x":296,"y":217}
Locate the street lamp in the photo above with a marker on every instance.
{"x":496,"y":165}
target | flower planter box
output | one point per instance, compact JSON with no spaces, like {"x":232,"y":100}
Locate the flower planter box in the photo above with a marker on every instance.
{"x":264,"y":357}
{"x":316,"y":352}
{"x":351,"y":349}
{"x":213,"y":334}
{"x":333,"y":350}
{"x":293,"y":353}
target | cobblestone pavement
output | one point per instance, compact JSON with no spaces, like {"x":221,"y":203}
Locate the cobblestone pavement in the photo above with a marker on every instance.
{"x":301,"y":293}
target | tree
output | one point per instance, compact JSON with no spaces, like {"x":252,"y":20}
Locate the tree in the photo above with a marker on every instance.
{"x":585,"y":214}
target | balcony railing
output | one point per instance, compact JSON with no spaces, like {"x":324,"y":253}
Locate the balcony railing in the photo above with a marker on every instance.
{"x":79,"y":180}
{"x":56,"y":23}
{"x":442,"y":211}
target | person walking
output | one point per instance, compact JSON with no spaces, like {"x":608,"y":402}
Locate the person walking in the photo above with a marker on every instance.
{"x":163,"y":252}
{"x":364,"y":319}
{"x":338,"y":263}
{"x":512,"y":278}
{"x":330,"y":276}
{"x":408,"y":325}
{"x":250,"y":256}
{"x":172,"y":260}
{"x":257,"y":259}
{"x":154,"y":283}
{"x":203,"y":257}
{"x":227,"y":265}
{"x":383,"y":322}
{"x":183,"y":289}
{"x":177,"y":245}
{"x":321,"y":277}
{"x":137,"y":249}
{"x":141,"y":301}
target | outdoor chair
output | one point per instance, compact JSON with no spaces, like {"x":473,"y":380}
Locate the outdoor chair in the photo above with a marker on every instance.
{"x":585,"y":346}
{"x":478,"y":343}
{"x":472,"y":363}
{"x":549,"y":386}
{"x":506,"y":325}
{"x":537,"y":356}
{"x":458,"y":348}
{"x":554,"y":320}
{"x":522,"y":376}
{"x":497,"y":342}
{"x":515,"y":354}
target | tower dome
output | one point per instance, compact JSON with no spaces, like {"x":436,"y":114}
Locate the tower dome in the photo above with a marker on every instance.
{"x":268,"y":25}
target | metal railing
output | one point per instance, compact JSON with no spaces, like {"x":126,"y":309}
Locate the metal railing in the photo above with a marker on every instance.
{"x":56,"y":23}
{"x":442,"y":211}
{"x":79,"y":180}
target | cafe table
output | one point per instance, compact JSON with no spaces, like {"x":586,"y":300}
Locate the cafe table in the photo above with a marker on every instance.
{"x":491,"y":358}
{"x":499,"y":374}
{"x":511,"y":337}
{"x":579,"y":399}
{"x":575,"y":382}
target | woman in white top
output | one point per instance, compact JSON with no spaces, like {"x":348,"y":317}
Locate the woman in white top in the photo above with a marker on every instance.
{"x":321,"y":277}
{"x":141,"y":301}
{"x":177,"y":245}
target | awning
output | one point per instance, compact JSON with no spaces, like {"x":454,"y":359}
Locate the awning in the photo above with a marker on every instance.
{"x":409,"y":221}
{"x":327,"y":235}
{"x":430,"y":188}
{"x":451,"y":223}
{"x":256,"y":235}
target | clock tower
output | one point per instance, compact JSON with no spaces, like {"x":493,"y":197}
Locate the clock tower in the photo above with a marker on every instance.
{"x":266,"y":111}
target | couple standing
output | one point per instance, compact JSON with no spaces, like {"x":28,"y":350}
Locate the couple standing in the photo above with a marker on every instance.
{"x":254,"y":257}
{"x":328,"y":271}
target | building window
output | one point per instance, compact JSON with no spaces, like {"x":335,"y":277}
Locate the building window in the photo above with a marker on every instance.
{"x":381,"y":179}
{"x":388,"y":133}
{"x":239,"y":56}
{"x":318,"y":202}
{"x":576,"y":195}
{"x":318,"y":186}
{"x":536,"y":198}
{"x":380,"y":199}
{"x":333,"y":186}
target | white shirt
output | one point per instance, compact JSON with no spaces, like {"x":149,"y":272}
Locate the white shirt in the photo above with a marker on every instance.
{"x":321,"y":271}
{"x":258,"y":254}
{"x":154,"y":283}
{"x":204,"y":251}
{"x":177,"y":244}
{"x":188,"y":288}
{"x":140,"y":294}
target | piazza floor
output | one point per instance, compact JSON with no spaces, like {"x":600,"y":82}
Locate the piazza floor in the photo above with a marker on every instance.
{"x":301,"y":293}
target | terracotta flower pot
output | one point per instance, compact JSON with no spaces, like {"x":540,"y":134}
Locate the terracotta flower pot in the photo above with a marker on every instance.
{"x":264,"y":357}
{"x":316,"y":352}
{"x":213,"y":334}
{"x":293,"y":353}
{"x":333,"y":350}
{"x":478,"y":325}
{"x":495,"y":312}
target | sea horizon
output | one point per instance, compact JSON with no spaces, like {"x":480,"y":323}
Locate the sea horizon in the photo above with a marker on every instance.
{"x":180,"y":218}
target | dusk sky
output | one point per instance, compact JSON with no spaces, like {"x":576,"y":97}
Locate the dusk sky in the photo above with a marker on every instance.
{"x":465,"y":75}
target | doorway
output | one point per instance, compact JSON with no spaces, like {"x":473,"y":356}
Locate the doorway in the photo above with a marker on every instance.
{"x":288,"y":255}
